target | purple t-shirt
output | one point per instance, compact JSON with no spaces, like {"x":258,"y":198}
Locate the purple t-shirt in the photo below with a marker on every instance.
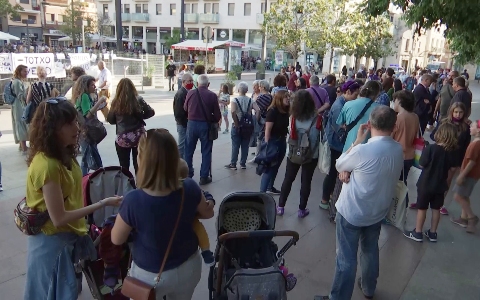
{"x":322,"y":93}
{"x":153,"y":219}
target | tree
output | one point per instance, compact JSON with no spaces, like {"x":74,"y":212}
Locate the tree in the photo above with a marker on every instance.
{"x":103,"y":23}
{"x":458,"y":17}
{"x":291,"y":22}
{"x":7,"y":9}
{"x":379,"y":39}
{"x":73,"y":17}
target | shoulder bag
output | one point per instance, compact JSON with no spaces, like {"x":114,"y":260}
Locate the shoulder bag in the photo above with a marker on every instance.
{"x":212,"y":127}
{"x":343,"y":133}
{"x":138,"y":290}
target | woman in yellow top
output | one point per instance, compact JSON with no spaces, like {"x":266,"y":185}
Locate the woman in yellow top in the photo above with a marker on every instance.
{"x":54,"y":183}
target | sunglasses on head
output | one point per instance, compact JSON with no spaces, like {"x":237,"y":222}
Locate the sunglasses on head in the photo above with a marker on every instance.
{"x":150,"y":131}
{"x":56,"y":100}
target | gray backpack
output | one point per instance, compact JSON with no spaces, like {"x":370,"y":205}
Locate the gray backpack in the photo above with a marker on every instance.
{"x":300,"y":151}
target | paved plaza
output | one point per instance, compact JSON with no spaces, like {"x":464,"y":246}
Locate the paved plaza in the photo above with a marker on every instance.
{"x":447,"y":270}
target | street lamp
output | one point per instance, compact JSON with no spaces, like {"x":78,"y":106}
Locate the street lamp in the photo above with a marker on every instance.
{"x":84,"y":23}
{"x":28,"y":21}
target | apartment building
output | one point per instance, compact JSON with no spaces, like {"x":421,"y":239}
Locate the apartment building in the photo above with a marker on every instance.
{"x":18,"y":26}
{"x":148,"y":24}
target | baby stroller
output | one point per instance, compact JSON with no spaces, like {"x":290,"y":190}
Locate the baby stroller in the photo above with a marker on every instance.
{"x":103,"y":183}
{"x":248,"y":264}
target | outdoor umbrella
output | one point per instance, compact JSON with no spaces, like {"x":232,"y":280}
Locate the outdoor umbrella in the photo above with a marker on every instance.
{"x":6,"y":36}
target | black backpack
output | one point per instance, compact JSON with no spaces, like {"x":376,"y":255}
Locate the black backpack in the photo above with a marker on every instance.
{"x":246,"y":121}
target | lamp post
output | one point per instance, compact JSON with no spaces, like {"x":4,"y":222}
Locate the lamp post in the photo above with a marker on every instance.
{"x":264,"y":42}
{"x":182,"y":21}
{"x":84,"y":23}
{"x":28,"y":21}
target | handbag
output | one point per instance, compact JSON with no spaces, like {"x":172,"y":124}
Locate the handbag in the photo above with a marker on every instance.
{"x":343,"y":133}
{"x":419,"y":145}
{"x":397,"y":214}
{"x":324,"y":157}
{"x":139,"y":290}
{"x":28,"y":220}
{"x":212,"y":127}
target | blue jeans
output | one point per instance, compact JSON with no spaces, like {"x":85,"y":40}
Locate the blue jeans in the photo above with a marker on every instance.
{"x":407,"y":165}
{"x":198,"y":130}
{"x":239,"y":143}
{"x":84,"y":164}
{"x":268,"y":178}
{"x":182,"y":132}
{"x":348,"y":237}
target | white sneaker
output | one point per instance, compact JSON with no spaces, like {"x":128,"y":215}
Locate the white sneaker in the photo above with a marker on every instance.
{"x":1,"y":188}
{"x":252,"y":161}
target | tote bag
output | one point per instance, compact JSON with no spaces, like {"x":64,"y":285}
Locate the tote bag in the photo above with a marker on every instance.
{"x":419,"y":145}
{"x":324,"y":157}
{"x":397,"y":214}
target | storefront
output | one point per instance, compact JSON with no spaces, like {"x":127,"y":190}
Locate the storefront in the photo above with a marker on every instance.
{"x":217,"y":55}
{"x":51,"y":37}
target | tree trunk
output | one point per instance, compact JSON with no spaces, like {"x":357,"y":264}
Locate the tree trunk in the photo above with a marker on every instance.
{"x":375,"y":63}
{"x":331,"y":60}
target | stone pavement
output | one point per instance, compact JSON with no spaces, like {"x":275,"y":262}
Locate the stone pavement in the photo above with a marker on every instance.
{"x":444,"y":271}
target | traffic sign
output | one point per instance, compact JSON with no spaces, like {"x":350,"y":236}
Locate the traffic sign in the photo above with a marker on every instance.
{"x":207,"y":33}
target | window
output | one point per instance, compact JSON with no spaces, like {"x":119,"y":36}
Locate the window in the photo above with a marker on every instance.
{"x":25,"y":1}
{"x":231,"y":9}
{"x":105,"y":9}
{"x":194,"y":8}
{"x":16,"y":19}
{"x":247,"y":9}
{"x":159,"y":9}
{"x":33,"y":19}
{"x":52,"y":17}
{"x":145,"y":8}
{"x":262,"y":8}
{"x":126,"y":8}
{"x":215,"y":8}
{"x":173,"y":9}
{"x":407,"y":45}
{"x":138,"y":8}
{"x":186,"y":8}
{"x":207,"y":8}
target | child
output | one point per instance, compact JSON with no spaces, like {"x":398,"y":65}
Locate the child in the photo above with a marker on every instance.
{"x":224,"y":101}
{"x":469,"y":175}
{"x":436,"y":161}
{"x":198,"y":227}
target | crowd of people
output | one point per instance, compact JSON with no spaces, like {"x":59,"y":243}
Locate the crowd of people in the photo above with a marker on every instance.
{"x":369,"y":125}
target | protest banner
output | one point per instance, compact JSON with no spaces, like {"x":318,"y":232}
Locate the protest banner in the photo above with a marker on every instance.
{"x":33,"y":60}
{"x":6,"y":66}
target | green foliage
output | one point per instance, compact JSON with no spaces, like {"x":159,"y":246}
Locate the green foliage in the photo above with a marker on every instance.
{"x":237,"y":69}
{"x":230,"y":77}
{"x":148,"y":70}
{"x":458,"y":17}
{"x":7,"y":9}
{"x":103,"y":25}
{"x":73,"y":17}
{"x":292,"y":21}
{"x":174,"y":39}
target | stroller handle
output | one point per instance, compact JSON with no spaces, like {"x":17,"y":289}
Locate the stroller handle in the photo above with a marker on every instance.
{"x":257,"y":234}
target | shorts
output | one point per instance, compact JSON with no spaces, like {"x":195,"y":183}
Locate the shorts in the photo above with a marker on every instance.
{"x":466,"y":189}
{"x":424,"y":199}
{"x":225,"y":112}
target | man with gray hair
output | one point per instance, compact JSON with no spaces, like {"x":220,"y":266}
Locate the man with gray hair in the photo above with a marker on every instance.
{"x":203,"y":112}
{"x":370,"y":174}
{"x":104,"y":83}
{"x":423,"y":100}
{"x":319,"y":95}
{"x":241,"y":107}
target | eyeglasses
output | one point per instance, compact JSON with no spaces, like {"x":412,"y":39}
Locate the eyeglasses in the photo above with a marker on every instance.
{"x":339,"y":91}
{"x":56,"y":100}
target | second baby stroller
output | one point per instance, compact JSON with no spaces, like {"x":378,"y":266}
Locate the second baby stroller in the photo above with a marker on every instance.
{"x":248,"y":263}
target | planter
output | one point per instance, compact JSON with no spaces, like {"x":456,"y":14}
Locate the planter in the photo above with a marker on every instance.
{"x":239,"y":75}
{"x":260,"y":76}
{"x":147,"y":81}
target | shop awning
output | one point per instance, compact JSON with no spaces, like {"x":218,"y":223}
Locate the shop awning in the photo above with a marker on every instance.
{"x":200,"y":45}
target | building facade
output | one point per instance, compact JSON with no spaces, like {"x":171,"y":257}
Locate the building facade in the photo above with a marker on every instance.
{"x":148,"y":24}
{"x":18,"y":26}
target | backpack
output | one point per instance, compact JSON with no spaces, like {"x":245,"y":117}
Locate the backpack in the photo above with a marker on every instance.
{"x":300,"y":151}
{"x":38,"y":95}
{"x":8,"y":94}
{"x":246,"y":121}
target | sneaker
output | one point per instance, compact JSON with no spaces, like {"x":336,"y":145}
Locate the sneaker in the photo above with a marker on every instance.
{"x":280,"y":211}
{"x":252,"y":161}
{"x":432,"y":236}
{"x":208,"y":257}
{"x":302,"y":213}
{"x":472,"y":223}
{"x":323,"y":205}
{"x":460,"y":222}
{"x":413,"y":205}
{"x":205,"y":180}
{"x":231,"y":167}
{"x":1,"y":188}
{"x":413,"y":235}
{"x":359,"y":283}
{"x":386,"y":222}
{"x":443,"y":211}
{"x":291,"y":282}
{"x":273,"y":191}
{"x":243,"y":167}
{"x":225,"y":131}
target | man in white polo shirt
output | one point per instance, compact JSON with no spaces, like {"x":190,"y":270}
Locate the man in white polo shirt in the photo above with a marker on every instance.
{"x":104,"y":82}
{"x":370,"y":174}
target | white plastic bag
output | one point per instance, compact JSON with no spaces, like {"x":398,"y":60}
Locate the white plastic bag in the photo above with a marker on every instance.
{"x":324,"y":157}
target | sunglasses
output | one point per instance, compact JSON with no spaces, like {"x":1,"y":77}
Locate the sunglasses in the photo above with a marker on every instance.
{"x":339,"y":91}
{"x":56,"y":100}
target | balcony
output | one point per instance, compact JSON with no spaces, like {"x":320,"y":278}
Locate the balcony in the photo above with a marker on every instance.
{"x":191,"y":18}
{"x":140,"y":18}
{"x":260,"y":19}
{"x":105,"y":0}
{"x":210,"y":18}
{"x":125,"y":17}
